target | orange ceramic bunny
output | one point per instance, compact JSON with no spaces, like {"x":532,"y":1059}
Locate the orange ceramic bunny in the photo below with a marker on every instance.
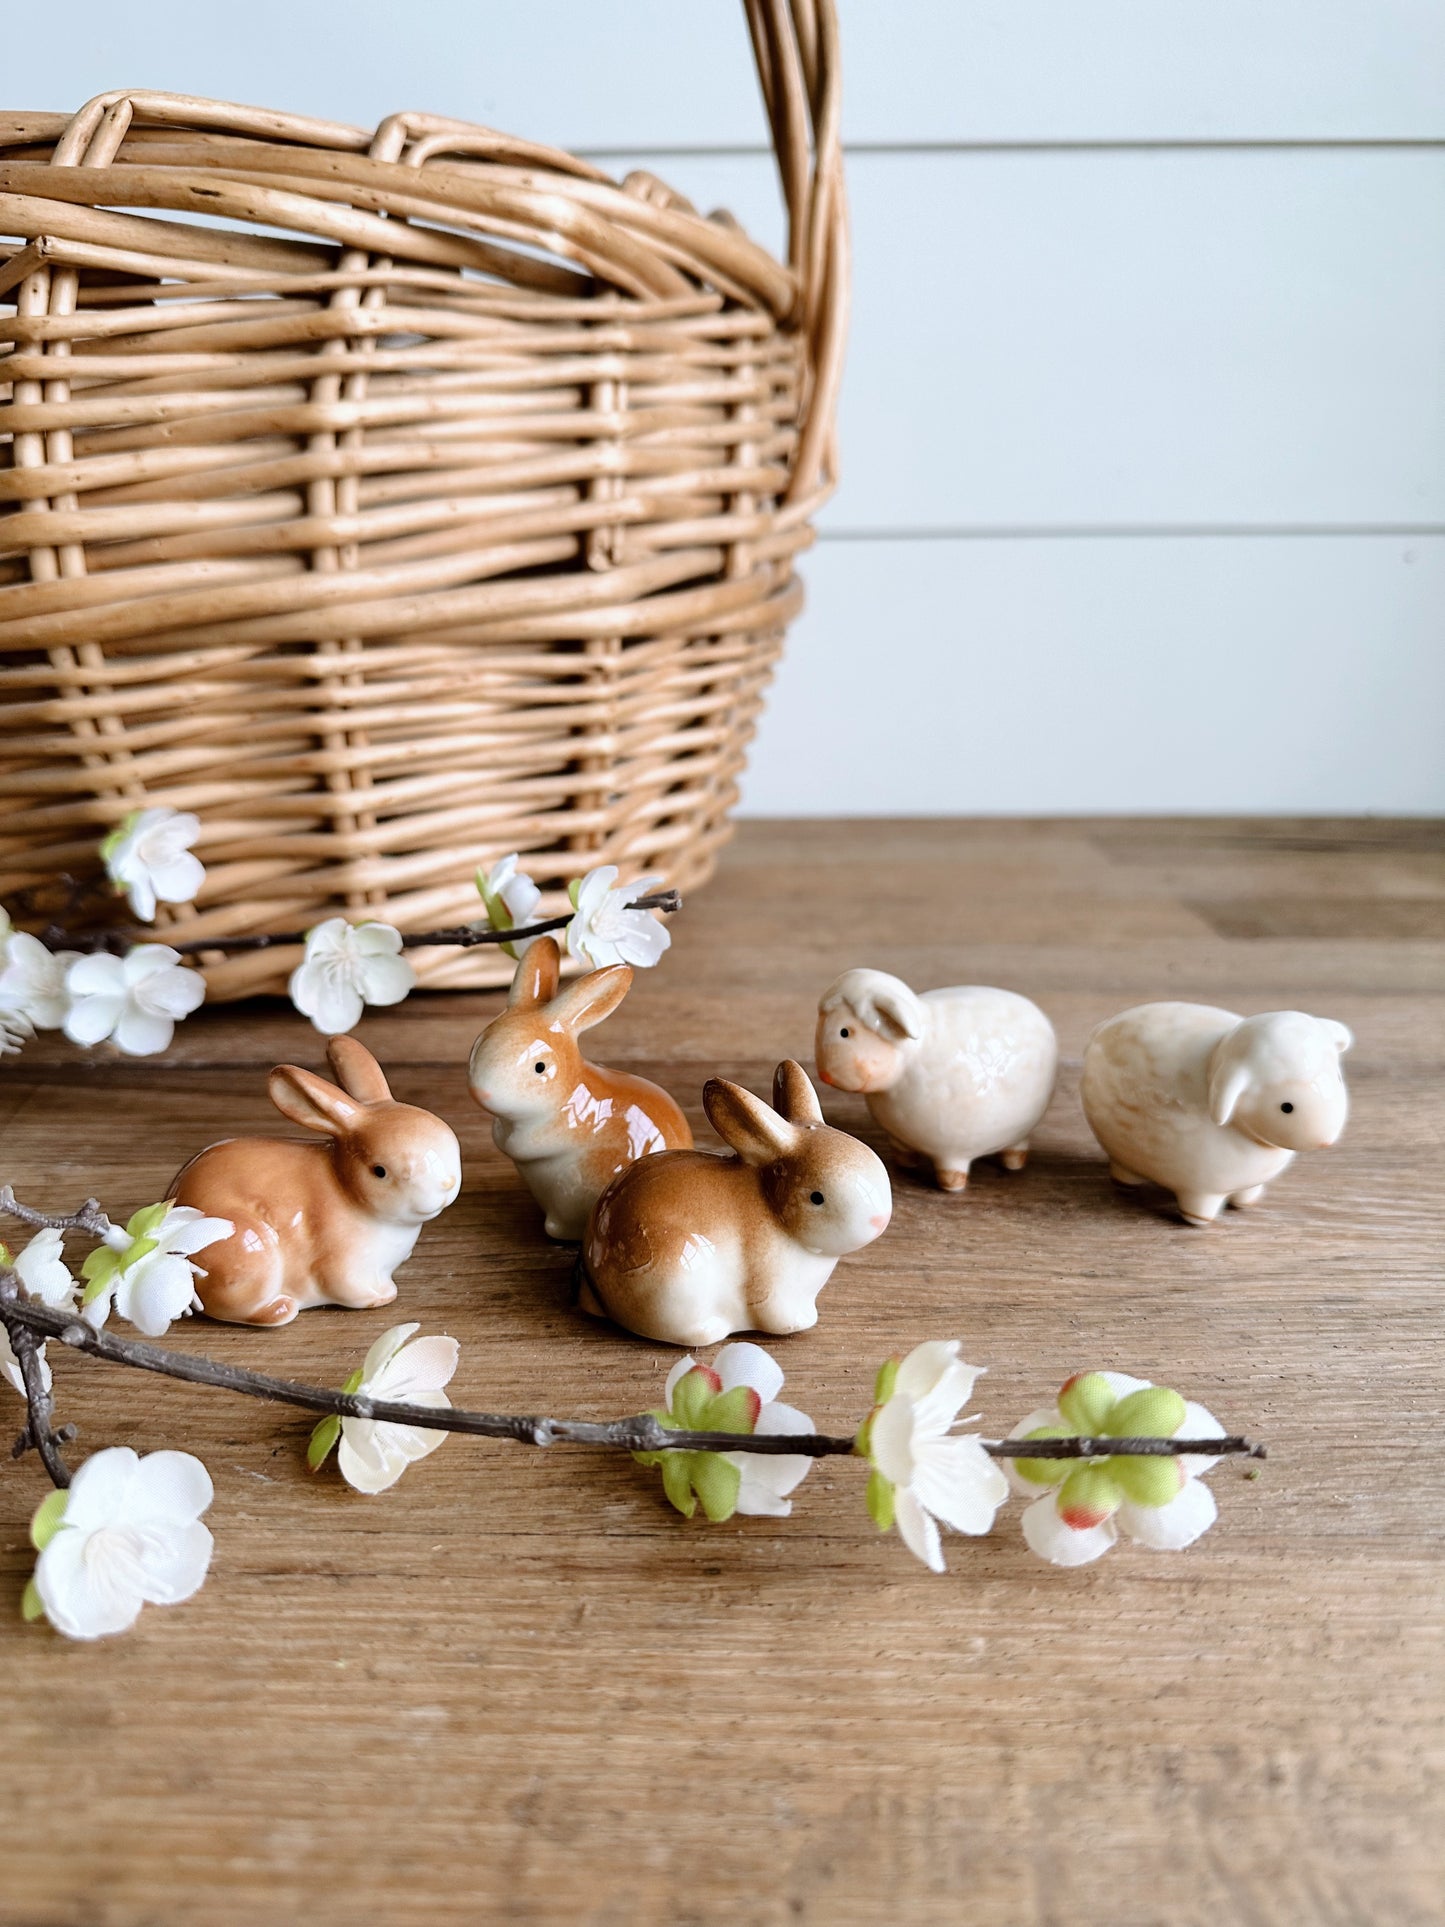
{"x":567,"y":1125}
{"x":689,"y":1247}
{"x":321,"y":1223}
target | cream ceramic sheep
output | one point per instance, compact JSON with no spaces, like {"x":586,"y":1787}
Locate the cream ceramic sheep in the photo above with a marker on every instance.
{"x":951,"y":1075}
{"x":1209,"y":1104}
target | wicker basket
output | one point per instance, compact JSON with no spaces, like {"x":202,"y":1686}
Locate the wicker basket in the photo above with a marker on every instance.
{"x":396,"y":501}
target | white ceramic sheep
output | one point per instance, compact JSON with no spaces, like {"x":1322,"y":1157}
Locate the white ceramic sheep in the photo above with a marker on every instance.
{"x":951,"y":1075}
{"x":1209,"y":1104}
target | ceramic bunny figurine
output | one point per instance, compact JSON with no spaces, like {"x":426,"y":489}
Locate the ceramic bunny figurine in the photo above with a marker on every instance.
{"x":321,"y":1223}
{"x":688,"y":1247}
{"x":951,"y":1075}
{"x":567,"y":1125}
{"x":1209,"y":1104}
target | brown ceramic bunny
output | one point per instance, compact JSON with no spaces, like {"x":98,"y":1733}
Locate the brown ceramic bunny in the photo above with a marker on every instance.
{"x":321,"y":1223}
{"x":688,"y":1247}
{"x":567,"y":1125}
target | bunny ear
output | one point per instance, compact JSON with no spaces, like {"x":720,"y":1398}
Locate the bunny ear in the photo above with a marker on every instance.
{"x":745,"y":1124}
{"x":537,"y":975}
{"x":357,"y":1071}
{"x":587,"y":1000}
{"x":793,"y":1094}
{"x":308,"y":1099}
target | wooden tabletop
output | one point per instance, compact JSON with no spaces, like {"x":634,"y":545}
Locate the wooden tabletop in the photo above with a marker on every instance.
{"x":519,"y":1688}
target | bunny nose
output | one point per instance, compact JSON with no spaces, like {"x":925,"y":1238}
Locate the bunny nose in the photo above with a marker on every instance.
{"x":880,"y":1223}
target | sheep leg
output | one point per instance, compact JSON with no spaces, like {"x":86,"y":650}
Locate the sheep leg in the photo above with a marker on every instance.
{"x":950,"y":1178}
{"x":1199,"y":1207}
{"x":1015,"y":1157}
{"x":905,"y":1154}
{"x":1121,"y":1174}
{"x":1240,"y":1199}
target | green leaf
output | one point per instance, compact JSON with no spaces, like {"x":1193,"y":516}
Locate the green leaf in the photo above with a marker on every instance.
{"x":863,"y":1441}
{"x":146,"y":1223}
{"x":573,"y":891}
{"x":30,"y":1607}
{"x":886,"y":1380}
{"x":676,"y":1482}
{"x":1088,"y":1496}
{"x":1148,"y":1482}
{"x":5,"y":1257}
{"x":716,"y":1481}
{"x":734,"y":1411}
{"x":100,"y":1268}
{"x":353,"y":1384}
{"x":46,"y":1522}
{"x":1153,"y":1413}
{"x":1086,"y":1402}
{"x":880,"y":1500}
{"x":1046,"y":1471}
{"x":318,"y":1446}
{"x":693,"y":1393}
{"x":111,"y":843}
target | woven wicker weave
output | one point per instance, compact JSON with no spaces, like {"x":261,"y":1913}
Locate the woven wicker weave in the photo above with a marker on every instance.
{"x":441,"y":502}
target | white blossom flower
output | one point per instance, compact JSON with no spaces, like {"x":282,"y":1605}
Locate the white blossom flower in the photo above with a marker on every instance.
{"x":511,"y":898}
{"x":15,"y":1032}
{"x":126,"y":1533}
{"x":346,"y":967}
{"x":606,"y":930}
{"x":375,"y":1452}
{"x":32,"y":981}
{"x":1079,"y":1505}
{"x":149,"y":856}
{"x":137,"y":999}
{"x":43,"y":1274}
{"x":145,"y":1270}
{"x":922,"y":1470}
{"x":736,"y":1393}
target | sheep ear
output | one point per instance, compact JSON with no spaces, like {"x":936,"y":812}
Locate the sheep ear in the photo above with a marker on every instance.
{"x":537,"y":975}
{"x":309,"y":1100}
{"x":587,"y":1000}
{"x":1228,"y":1081}
{"x":793,"y":1095}
{"x":893,"y":1010}
{"x":357,"y":1071}
{"x":1339,"y":1035}
{"x":745,"y":1124}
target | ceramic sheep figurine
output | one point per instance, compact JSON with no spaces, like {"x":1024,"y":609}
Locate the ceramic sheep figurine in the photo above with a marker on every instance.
{"x":951,"y":1075}
{"x":688,"y":1247}
{"x":567,"y":1125}
{"x":1209,"y":1104}
{"x":326,"y":1222}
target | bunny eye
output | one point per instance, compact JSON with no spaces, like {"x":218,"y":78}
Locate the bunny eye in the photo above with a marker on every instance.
{"x":1286,"y":1107}
{"x":378,"y":1170}
{"x":844,"y":1031}
{"x":540,"y":1068}
{"x":817,"y":1197}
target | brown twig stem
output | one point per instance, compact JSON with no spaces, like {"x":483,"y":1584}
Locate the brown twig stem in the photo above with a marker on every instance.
{"x":639,"y":1433}
{"x":462,"y":936}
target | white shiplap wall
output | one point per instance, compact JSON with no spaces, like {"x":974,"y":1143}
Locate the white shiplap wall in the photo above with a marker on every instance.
{"x":1144,"y":425}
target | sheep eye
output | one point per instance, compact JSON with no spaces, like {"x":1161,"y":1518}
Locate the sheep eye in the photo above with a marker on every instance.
{"x":378,"y":1170}
{"x":817,"y":1197}
{"x":1286,"y":1107}
{"x":540,"y":1068}
{"x":844,"y":1031}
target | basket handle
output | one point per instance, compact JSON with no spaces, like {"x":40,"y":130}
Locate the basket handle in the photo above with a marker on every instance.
{"x":795,"y":45}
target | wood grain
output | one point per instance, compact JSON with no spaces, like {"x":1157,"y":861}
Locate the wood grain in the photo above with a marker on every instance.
{"x":519,"y":1689}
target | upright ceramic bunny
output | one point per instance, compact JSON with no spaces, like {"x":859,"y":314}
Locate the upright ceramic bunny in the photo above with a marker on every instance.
{"x":1209,"y":1104}
{"x":687,"y":1247}
{"x":321,"y":1223}
{"x":567,"y":1125}
{"x":951,"y":1075}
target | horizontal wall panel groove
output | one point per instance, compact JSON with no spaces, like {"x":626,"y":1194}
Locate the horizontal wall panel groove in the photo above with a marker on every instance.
{"x":1130,"y":676}
{"x":670,"y":73}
